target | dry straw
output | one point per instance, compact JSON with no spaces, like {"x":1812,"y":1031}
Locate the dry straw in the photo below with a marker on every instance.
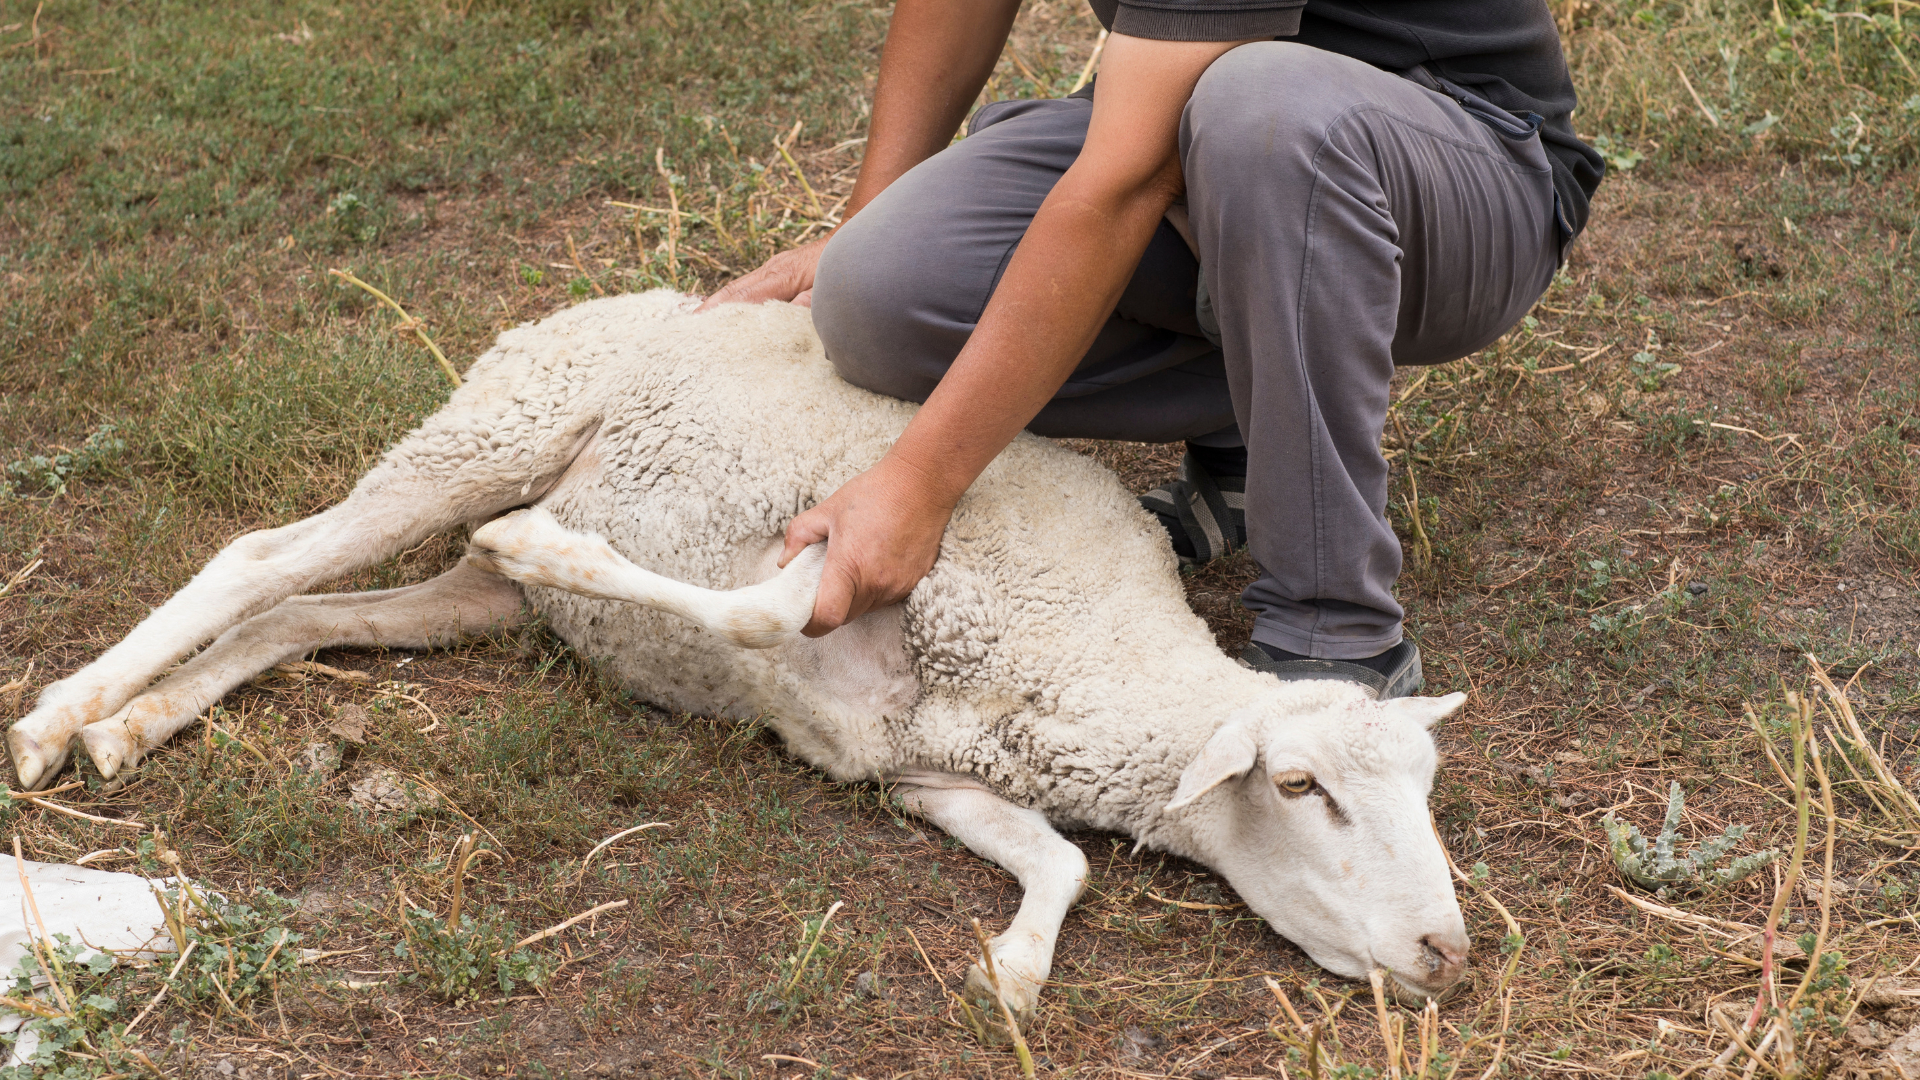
{"x":407,"y":322}
{"x":800,"y":967}
{"x":673,"y":211}
{"x":1769,"y":1040}
{"x":1020,"y":1049}
{"x":782,"y":145}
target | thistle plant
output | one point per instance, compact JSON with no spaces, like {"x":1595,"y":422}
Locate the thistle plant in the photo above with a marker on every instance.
{"x":1655,"y":866}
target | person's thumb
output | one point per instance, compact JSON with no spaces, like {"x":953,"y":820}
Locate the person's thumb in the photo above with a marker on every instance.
{"x":804,"y":531}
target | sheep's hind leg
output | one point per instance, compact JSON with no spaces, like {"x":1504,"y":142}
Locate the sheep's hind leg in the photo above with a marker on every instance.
{"x":532,"y":547}
{"x":463,"y":601}
{"x":1051,"y":871}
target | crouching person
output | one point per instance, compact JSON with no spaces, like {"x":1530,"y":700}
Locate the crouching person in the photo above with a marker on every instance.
{"x":1232,"y":238}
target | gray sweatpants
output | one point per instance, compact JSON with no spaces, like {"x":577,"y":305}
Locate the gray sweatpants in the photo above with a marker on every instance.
{"x":1347,"y":221}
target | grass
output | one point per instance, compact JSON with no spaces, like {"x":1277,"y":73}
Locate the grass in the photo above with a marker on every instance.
{"x":1628,"y":522}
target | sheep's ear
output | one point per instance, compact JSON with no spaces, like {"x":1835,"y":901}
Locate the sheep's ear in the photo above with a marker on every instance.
{"x":1227,"y":756}
{"x":1425,"y":711}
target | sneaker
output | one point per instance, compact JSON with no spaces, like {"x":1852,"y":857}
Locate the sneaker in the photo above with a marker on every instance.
{"x":1205,"y":515}
{"x":1394,"y":673}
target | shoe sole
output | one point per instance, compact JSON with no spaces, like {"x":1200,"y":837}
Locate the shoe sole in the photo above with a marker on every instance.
{"x":1403,"y":681}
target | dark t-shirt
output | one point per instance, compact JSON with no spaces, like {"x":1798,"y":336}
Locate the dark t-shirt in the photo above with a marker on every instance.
{"x":1507,"y":51}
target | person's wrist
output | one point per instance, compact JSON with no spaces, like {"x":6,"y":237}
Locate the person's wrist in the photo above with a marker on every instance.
{"x":923,"y":486}
{"x":805,"y":261}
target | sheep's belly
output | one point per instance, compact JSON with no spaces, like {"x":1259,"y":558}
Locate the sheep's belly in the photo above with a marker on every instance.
{"x":829,"y":698}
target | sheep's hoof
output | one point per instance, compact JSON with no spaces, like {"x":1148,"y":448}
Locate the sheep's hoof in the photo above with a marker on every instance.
{"x":35,"y":763}
{"x":1014,"y":991}
{"x":110,"y":746}
{"x":501,"y":541}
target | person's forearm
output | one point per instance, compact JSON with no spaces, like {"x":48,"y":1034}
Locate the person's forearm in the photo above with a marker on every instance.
{"x":883,"y":527}
{"x":1069,"y":271}
{"x":938,"y":55}
{"x":1057,"y":292}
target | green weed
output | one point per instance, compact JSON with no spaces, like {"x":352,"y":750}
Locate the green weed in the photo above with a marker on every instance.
{"x":1650,"y":372}
{"x":75,"y":1031}
{"x":334,"y":404}
{"x":469,"y":959}
{"x":1668,"y":433}
{"x":1714,"y":83}
{"x":805,"y":975}
{"x":275,"y":815}
{"x":1656,"y":866}
{"x":237,"y":949}
{"x":48,"y":475}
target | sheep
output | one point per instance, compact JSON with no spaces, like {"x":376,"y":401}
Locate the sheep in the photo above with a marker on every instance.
{"x":1047,"y":672}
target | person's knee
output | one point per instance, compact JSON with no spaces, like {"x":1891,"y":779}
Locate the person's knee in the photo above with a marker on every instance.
{"x":865,"y":300}
{"x":1269,"y":99}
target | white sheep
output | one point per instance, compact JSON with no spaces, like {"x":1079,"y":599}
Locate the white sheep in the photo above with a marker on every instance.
{"x":1046,"y":672}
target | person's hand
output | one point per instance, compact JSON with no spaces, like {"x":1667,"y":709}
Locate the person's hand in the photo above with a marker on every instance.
{"x":786,"y":276}
{"x":883,"y":530}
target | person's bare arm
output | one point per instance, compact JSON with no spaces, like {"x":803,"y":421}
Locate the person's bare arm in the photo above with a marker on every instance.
{"x":937,"y":56}
{"x":883,"y":527}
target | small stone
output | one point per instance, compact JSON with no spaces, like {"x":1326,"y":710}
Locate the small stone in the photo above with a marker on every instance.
{"x":320,"y":901}
{"x":1137,"y":1043}
{"x":1810,"y":887}
{"x":384,"y":790}
{"x":1872,"y":1035}
{"x":224,"y":1067}
{"x":349,"y":722}
{"x":1904,"y":1053}
{"x":319,"y":759}
{"x":1697,"y":588}
{"x":916,"y":837}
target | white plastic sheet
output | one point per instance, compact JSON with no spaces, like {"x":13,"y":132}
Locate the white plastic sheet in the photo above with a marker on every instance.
{"x":99,"y":909}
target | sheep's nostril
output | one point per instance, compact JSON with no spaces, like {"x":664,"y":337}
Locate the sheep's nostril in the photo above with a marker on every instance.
{"x":1444,"y":965}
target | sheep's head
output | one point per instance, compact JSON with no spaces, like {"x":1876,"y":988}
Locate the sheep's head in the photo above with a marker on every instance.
{"x":1319,"y":819}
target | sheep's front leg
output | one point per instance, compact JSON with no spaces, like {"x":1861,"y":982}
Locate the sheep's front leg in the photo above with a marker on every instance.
{"x":1051,"y":872}
{"x":464,"y":600}
{"x":439,"y":477}
{"x":249,"y":576}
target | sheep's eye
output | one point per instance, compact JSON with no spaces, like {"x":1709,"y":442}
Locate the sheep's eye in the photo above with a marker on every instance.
{"x":1295,"y":783}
